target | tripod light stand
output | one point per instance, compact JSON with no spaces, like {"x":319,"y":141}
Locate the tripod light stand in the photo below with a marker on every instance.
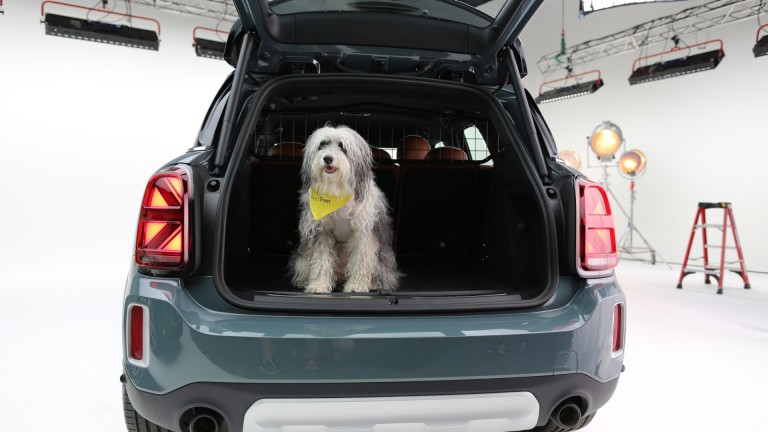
{"x":605,"y":142}
{"x":632,"y":165}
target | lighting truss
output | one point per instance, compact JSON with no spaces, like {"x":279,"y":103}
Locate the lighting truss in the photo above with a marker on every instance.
{"x":569,"y":91}
{"x":681,"y":65}
{"x":660,"y":30}
{"x":217,"y":9}
{"x":96,"y":31}
{"x":206,"y":47}
{"x":761,"y":46}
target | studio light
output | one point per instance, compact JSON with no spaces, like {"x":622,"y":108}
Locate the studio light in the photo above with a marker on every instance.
{"x":97,"y":31}
{"x":567,"y":91}
{"x":605,"y":141}
{"x":684,"y":65}
{"x":206,"y":47}
{"x":632,"y":163}
{"x":761,"y":46}
{"x":571,"y":158}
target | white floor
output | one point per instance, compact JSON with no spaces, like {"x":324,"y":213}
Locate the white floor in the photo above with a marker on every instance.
{"x":696,"y":361}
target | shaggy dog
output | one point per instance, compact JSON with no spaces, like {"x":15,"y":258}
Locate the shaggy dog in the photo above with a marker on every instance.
{"x":344,"y":227}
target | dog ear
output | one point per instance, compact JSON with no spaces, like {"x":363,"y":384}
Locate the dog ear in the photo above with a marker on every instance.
{"x":310,"y":150}
{"x":361,"y":159}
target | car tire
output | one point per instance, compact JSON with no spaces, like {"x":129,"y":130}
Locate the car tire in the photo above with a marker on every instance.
{"x":551,"y":426}
{"x":134,"y":422}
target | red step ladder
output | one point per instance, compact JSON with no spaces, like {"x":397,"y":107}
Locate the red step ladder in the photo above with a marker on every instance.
{"x":705,"y":267}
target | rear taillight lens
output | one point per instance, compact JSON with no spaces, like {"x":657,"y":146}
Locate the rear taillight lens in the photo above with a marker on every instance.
{"x":597,"y":234}
{"x":162,"y":240}
{"x":616,"y":339}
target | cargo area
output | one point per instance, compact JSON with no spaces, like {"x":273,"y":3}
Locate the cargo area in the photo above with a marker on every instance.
{"x":466,"y":218}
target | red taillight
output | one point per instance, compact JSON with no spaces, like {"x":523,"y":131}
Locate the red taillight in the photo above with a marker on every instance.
{"x":162,"y":241}
{"x":597,"y":234}
{"x":616,"y":339}
{"x":136,"y":336}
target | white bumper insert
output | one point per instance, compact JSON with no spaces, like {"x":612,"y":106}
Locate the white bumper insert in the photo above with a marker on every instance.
{"x":494,"y":412}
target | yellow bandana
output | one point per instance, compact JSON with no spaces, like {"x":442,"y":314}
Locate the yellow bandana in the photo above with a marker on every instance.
{"x":323,"y":205}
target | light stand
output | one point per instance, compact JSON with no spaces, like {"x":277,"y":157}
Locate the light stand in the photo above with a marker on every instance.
{"x":626,"y":242}
{"x":632,"y":165}
{"x":605,"y":142}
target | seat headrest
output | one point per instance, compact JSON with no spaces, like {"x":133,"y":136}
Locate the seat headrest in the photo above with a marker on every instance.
{"x":413,"y":147}
{"x":380,"y":154}
{"x":447,"y":154}
{"x":286,"y":150}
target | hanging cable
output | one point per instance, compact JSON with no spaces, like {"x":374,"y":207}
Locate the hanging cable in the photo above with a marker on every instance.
{"x":562,"y":36}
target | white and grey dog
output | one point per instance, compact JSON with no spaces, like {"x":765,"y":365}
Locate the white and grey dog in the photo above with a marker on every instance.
{"x":354,"y":241}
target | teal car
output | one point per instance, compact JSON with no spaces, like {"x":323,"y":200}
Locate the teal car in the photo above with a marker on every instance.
{"x":508,"y":316}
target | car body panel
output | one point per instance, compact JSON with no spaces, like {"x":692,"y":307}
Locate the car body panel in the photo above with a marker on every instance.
{"x":196,"y":337}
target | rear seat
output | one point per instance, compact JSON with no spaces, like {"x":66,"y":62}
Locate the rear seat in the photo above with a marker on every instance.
{"x":438,"y":202}
{"x":387,"y":175}
{"x":440,"y":207}
{"x":275,"y":204}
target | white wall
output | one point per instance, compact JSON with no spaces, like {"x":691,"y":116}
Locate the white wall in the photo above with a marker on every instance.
{"x":82,"y":127}
{"x":704,"y":134}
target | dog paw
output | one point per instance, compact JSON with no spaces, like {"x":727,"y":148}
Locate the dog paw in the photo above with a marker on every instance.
{"x":354,"y":287}
{"x":318,"y":288}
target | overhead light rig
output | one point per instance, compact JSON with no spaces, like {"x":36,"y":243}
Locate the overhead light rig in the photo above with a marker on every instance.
{"x":218,"y":9}
{"x":761,"y":46}
{"x":681,"y":65}
{"x":206,"y":47}
{"x":567,"y":91}
{"x":98,"y":31}
{"x":684,"y":23}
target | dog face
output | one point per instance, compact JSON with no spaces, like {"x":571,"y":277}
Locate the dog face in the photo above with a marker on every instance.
{"x":337,"y":161}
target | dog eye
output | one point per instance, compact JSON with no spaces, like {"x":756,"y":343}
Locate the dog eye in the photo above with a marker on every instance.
{"x":341,"y":145}
{"x":323,"y":144}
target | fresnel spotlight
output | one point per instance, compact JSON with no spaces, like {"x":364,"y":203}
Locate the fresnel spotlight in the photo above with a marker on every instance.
{"x":101,"y":31}
{"x":761,"y":46}
{"x":632,"y":165}
{"x":571,"y":158}
{"x":604,"y":142}
{"x":206,"y":47}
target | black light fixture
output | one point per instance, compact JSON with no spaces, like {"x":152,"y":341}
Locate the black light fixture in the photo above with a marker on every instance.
{"x":761,"y":46}
{"x":207,"y":47}
{"x":570,"y":91}
{"x":97,"y":31}
{"x":684,"y":65}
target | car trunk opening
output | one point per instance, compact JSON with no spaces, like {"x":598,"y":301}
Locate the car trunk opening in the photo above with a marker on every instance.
{"x":469,"y":229}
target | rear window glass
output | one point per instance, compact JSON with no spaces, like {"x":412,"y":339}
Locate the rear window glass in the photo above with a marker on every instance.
{"x":477,"y":13}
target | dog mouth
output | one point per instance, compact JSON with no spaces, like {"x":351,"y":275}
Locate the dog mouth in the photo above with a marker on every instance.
{"x":329,"y":170}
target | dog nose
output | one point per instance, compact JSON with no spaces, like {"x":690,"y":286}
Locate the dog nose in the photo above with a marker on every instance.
{"x":327,"y":159}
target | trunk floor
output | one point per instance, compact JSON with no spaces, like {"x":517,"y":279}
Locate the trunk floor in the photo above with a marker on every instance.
{"x":430,"y":277}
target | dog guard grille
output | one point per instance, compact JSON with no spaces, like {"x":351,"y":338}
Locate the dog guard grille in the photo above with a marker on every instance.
{"x":473,"y":136}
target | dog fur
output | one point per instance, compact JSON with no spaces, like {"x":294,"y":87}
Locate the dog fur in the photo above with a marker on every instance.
{"x":354,"y":243}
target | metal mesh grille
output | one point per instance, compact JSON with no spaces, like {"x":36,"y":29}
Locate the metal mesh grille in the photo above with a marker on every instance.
{"x":383,"y":130}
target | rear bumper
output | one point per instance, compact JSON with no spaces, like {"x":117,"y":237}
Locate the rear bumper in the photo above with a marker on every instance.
{"x":203,"y":352}
{"x":234,"y":401}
